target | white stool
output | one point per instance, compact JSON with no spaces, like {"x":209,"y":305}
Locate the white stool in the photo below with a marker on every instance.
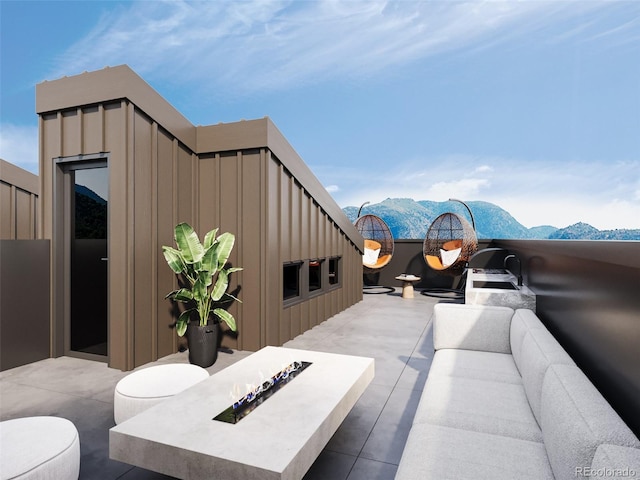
{"x":35,"y":448}
{"x":147,"y":387}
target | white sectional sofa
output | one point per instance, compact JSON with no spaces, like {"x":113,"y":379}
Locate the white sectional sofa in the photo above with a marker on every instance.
{"x":503,"y":400}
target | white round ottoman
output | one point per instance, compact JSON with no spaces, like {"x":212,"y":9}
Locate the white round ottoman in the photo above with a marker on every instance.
{"x":39,"y":448}
{"x":147,"y":387}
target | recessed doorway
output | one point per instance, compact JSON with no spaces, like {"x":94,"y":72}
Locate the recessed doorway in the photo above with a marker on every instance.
{"x":82,"y":226}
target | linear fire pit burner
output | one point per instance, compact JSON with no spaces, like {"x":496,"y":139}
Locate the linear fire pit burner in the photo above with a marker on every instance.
{"x":256,"y":397}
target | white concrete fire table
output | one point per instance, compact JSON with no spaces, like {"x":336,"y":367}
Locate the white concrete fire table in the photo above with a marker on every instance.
{"x":280,"y":439}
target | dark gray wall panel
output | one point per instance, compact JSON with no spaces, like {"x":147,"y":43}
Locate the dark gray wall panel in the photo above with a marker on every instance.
{"x":24,"y":302}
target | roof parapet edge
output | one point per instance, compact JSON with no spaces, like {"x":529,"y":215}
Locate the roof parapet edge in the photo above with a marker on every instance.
{"x":19,"y":177}
{"x":301,"y":172}
{"x":263,"y":133}
{"x":114,"y":83}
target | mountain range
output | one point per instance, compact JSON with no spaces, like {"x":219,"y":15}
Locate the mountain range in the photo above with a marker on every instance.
{"x":410,"y":219}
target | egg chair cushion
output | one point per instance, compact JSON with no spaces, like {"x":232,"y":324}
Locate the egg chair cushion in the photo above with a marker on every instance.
{"x":434,"y":262}
{"x":371,"y":252}
{"x":449,"y":256}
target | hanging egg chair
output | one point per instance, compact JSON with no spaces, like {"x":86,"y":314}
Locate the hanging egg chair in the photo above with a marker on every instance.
{"x":378,"y":242}
{"x":449,"y":244}
{"x":378,"y":250}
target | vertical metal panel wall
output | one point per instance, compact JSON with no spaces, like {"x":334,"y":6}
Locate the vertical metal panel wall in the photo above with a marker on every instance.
{"x":18,"y":203}
{"x":150,"y":190}
{"x":162,"y":171}
{"x":251,"y":194}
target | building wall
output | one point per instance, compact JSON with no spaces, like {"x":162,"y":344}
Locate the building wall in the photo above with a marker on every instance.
{"x":244,"y":178}
{"x":251,"y":193}
{"x":150,"y":190}
{"x":18,"y":203}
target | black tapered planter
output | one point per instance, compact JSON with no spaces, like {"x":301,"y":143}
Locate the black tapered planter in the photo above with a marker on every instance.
{"x":203,"y":344}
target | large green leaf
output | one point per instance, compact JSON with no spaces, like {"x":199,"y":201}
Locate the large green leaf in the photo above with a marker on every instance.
{"x":200,"y":286}
{"x":206,"y":277}
{"x":174,"y":259}
{"x":221,"y":286}
{"x":228,"y":298}
{"x":182,"y":322}
{"x":225,"y":245}
{"x":210,"y":260}
{"x":227,"y":318}
{"x":188,"y":243}
{"x":181,"y":295}
{"x":210,"y":238}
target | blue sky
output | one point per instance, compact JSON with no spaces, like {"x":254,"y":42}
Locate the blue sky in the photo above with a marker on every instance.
{"x":532,"y":105}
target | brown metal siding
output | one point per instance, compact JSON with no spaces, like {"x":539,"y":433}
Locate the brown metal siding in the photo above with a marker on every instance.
{"x":232,"y":180}
{"x":165,"y":219}
{"x":143,"y":266}
{"x":118,"y":126}
{"x":285,"y":218}
{"x":18,"y":203}
{"x":151,"y":177}
{"x":251,"y":194}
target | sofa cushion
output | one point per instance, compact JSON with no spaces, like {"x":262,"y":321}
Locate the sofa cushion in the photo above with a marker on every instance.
{"x":576,"y":419}
{"x":614,"y":462}
{"x":471,"y":327}
{"x":498,"y":367}
{"x":444,"y":453}
{"x":522,"y":322}
{"x":539,"y":351}
{"x":482,"y":406}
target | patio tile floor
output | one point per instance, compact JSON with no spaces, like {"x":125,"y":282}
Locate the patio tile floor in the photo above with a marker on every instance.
{"x":368,"y":445}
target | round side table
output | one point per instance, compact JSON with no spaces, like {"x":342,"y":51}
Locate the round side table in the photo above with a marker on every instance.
{"x":407,"y":284}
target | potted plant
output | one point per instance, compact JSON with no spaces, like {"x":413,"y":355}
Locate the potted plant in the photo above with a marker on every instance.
{"x":203,"y":267}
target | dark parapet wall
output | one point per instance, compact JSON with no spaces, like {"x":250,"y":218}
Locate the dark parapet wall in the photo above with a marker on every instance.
{"x":587,"y":295}
{"x":24,"y":309}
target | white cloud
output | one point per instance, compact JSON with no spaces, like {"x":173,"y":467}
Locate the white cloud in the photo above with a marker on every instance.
{"x":483,"y":169}
{"x":257,"y":45}
{"x":463,"y":188}
{"x":222,"y":48}
{"x":19,"y":145}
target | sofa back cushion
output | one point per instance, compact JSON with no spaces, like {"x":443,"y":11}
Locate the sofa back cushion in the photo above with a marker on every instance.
{"x":534,"y":351}
{"x":576,"y":419}
{"x":472,"y":327}
{"x":523,"y":321}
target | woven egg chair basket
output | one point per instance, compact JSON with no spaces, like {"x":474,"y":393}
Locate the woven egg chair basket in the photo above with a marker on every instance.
{"x":449,"y":243}
{"x":377,"y":235}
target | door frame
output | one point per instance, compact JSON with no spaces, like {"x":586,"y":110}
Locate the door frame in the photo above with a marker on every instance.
{"x":61,"y":253}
